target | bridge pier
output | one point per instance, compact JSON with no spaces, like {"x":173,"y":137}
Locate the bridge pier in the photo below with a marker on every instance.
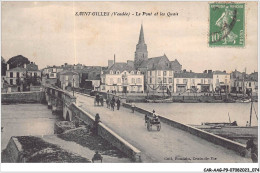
{"x":59,"y":101}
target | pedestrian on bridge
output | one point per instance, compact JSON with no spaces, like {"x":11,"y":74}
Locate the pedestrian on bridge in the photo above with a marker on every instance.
{"x":97,"y":99}
{"x":95,"y":124}
{"x":133,"y":107}
{"x":118,"y":104}
{"x":108,"y":103}
{"x":101,"y":101}
{"x":113,"y":101}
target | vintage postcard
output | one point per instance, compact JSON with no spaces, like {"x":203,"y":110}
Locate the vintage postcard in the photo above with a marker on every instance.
{"x":130,"y":82}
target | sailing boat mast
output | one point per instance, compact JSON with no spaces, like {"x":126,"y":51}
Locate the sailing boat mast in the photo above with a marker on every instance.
{"x":251,"y":112}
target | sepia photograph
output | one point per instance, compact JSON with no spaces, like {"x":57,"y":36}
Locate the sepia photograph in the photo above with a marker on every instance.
{"x":130,"y":82}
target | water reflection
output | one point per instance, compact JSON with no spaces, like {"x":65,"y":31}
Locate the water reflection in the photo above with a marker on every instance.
{"x":196,"y":113}
{"x":25,"y":119}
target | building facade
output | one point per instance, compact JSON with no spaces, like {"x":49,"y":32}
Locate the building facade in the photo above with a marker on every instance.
{"x":68,"y":79}
{"x":192,"y":82}
{"x":221,"y":81}
{"x":122,"y":77}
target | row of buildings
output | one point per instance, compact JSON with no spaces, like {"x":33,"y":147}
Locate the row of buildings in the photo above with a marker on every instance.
{"x":143,"y":74}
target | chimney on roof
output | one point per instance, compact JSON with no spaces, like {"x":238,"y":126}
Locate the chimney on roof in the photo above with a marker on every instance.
{"x":205,"y":71}
{"x":114,"y":58}
{"x":209,"y":71}
{"x":31,"y":62}
{"x":24,"y":66}
{"x":224,"y":71}
{"x":184,"y":70}
{"x":8,"y":67}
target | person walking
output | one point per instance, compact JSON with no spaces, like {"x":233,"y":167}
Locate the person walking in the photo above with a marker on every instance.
{"x":113,"y":101}
{"x":118,"y":104}
{"x":97,"y":99}
{"x":108,"y":103}
{"x":133,"y":107}
{"x":101,"y":101}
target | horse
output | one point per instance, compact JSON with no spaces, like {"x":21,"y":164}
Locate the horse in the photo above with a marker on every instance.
{"x":254,"y":150}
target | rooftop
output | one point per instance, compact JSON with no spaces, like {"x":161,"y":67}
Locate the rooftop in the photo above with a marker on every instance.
{"x":193,"y":75}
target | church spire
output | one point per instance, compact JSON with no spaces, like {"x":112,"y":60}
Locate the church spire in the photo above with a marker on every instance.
{"x":141,"y":36}
{"x":141,"y":53}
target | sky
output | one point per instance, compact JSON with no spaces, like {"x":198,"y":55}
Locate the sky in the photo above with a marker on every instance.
{"x":49,"y":33}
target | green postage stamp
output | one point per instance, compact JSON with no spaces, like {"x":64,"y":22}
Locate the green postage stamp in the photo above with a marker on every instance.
{"x":227,"y":25}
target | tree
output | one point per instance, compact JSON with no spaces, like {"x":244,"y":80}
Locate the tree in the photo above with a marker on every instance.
{"x":3,"y":66}
{"x":17,"y":61}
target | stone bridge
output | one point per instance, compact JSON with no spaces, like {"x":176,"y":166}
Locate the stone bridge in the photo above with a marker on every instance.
{"x":60,"y":102}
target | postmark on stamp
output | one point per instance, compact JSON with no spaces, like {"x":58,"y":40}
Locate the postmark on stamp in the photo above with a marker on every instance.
{"x":227,"y":25}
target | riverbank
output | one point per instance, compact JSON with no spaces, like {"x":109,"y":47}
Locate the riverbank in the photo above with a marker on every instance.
{"x":175,"y":98}
{"x":85,"y":138}
{"x":31,"y":149}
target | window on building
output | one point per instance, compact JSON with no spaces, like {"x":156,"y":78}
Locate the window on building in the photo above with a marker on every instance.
{"x":185,"y":80}
{"x":11,"y":74}
{"x":35,"y":74}
{"x":170,"y":73}
{"x":118,"y":80}
{"x":11,"y":81}
{"x":151,"y":80}
{"x":118,"y":72}
{"x":111,"y":71}
{"x":66,"y":77}
{"x":193,"y":81}
{"x":138,"y":80}
{"x":249,"y":84}
{"x":138,"y":72}
{"x":159,"y":73}
{"x":217,"y":81}
{"x":225,"y":80}
{"x":18,"y":74}
{"x":177,"y":81}
{"x":170,"y":80}
{"x":164,"y":73}
{"x":201,"y":81}
{"x":132,"y":72}
{"x":133,"y":80}
{"x":209,"y":81}
{"x":111,"y":81}
{"x":164,"y":80}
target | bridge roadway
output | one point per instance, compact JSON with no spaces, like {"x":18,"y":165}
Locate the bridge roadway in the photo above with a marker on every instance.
{"x":168,"y":145}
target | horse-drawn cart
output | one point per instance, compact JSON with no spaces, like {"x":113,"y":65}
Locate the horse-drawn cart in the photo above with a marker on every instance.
{"x":152,"y":121}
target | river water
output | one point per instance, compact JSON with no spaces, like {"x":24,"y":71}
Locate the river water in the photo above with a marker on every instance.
{"x":196,"y":113}
{"x":25,"y":119}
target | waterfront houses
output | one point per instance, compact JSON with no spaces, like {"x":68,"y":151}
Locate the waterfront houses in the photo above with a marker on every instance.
{"x":122,"y":77}
{"x":15,"y":77}
{"x":159,"y":74}
{"x":68,"y":79}
{"x":244,"y":83}
{"x":221,"y":81}
{"x":193,"y":82}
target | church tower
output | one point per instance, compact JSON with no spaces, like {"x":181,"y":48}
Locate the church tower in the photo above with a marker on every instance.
{"x":141,"y":53}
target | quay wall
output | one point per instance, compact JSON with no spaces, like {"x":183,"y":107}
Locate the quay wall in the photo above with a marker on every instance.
{"x":108,"y":134}
{"x":23,"y":97}
{"x":235,"y":146}
{"x":13,"y":151}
